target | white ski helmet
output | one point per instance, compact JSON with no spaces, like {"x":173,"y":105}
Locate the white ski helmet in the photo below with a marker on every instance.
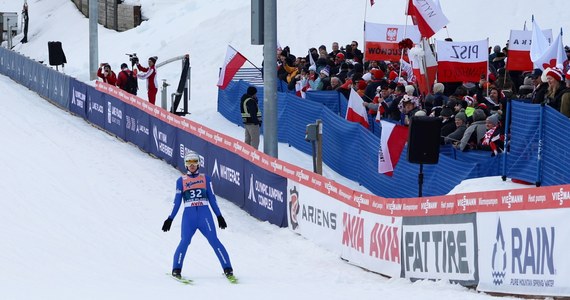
{"x":191,"y":158}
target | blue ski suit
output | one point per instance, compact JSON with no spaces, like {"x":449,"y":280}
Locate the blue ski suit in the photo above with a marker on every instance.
{"x":194,"y":191}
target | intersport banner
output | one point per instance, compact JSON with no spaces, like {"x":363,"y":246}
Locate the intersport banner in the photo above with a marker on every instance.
{"x":361,"y":237}
{"x":440,"y":247}
{"x":525,"y":252}
{"x":519,"y":49}
{"x":462,"y":61}
{"x":381,"y":40}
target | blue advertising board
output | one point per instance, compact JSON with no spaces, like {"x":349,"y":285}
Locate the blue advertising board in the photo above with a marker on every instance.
{"x":163,"y":140}
{"x":265,"y":195}
{"x":95,"y":107}
{"x":137,"y":127}
{"x":226,"y":170}
{"x":78,"y":98}
{"x":115,"y":120}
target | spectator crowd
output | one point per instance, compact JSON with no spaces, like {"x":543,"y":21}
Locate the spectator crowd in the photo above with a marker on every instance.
{"x":472,"y":113}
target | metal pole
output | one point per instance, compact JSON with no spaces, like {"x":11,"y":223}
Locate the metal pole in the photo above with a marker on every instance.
{"x":164,"y":94}
{"x":319,"y":166}
{"x":93,"y":39}
{"x":188,"y":87}
{"x":270,"y":76}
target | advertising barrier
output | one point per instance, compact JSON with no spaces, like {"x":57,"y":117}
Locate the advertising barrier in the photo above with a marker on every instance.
{"x":524,"y":252}
{"x":440,"y":247}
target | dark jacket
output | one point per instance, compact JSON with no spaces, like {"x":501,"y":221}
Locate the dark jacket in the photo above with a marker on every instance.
{"x":250,"y":113}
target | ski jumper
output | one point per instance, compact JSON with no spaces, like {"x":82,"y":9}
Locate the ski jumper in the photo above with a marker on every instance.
{"x":151,"y":84}
{"x":194,"y":191}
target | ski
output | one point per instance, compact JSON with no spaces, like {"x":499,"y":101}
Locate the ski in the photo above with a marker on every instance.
{"x":232,"y":279}
{"x":182,"y":279}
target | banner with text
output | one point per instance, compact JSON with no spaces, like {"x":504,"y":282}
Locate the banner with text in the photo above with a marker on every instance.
{"x":78,"y":96}
{"x":137,"y":127}
{"x":265,"y":195}
{"x":525,"y":252}
{"x":441,"y":247}
{"x":226,"y":170}
{"x":519,"y":49}
{"x":462,"y":61}
{"x":381,"y":40}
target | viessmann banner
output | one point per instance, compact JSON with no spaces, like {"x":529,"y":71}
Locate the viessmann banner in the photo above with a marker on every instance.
{"x":525,"y":252}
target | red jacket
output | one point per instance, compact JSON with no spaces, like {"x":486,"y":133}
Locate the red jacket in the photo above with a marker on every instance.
{"x":111,"y":78}
{"x":150,"y":75}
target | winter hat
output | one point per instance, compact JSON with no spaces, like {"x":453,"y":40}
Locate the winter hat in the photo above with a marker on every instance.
{"x":325,"y":71}
{"x":313,"y":68}
{"x":420,"y":113}
{"x":554,"y":73}
{"x":446,"y":112}
{"x":493,"y":119}
{"x":410,"y":90}
{"x":377,"y":73}
{"x":340,"y":56}
{"x":124,"y":65}
{"x":461,"y":116}
{"x":251,"y":90}
{"x":392,"y":75}
{"x":536,"y":73}
{"x":367,"y":77}
{"x":479,"y":115}
{"x":153,"y":59}
{"x":362,"y":85}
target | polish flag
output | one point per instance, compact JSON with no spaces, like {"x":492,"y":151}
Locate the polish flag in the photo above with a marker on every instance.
{"x":424,"y":65}
{"x":519,"y":49}
{"x":356,"y":112}
{"x":427,"y":15}
{"x":392,"y":142}
{"x":233,"y":62}
{"x":553,"y":56}
{"x":462,"y":61}
{"x":381,"y":40}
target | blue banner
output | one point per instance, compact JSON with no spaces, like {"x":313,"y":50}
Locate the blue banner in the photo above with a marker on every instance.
{"x":226,"y":170}
{"x":137,"y":127}
{"x":114,"y":120}
{"x":265,"y":195}
{"x":163,"y":140}
{"x":78,"y":96}
{"x":95,"y":107}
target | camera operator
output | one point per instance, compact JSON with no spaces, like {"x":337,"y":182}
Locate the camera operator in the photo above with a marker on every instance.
{"x":106,"y":74}
{"x":150,"y":75}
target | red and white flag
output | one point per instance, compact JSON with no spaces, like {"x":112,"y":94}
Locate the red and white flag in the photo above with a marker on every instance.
{"x":462,"y":61}
{"x":539,"y":43}
{"x":553,"y":56}
{"x":428,"y":16}
{"x":424,"y":65}
{"x":356,"y":112}
{"x":233,"y":62}
{"x":392,"y":142}
{"x":519,"y":49}
{"x":381,"y":40}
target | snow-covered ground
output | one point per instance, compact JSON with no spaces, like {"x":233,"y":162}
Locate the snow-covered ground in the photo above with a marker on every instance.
{"x":82,"y":211}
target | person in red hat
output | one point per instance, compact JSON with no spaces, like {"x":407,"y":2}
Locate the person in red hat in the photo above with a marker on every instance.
{"x":150,"y":75}
{"x":556,"y":88}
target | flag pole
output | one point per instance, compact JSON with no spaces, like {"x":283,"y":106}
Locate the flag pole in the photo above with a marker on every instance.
{"x":405,"y":33}
{"x":364,"y":32}
{"x":245,"y":58}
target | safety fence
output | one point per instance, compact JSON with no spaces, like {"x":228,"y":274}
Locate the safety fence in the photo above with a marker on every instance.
{"x":352,"y":150}
{"x":510,"y":242}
